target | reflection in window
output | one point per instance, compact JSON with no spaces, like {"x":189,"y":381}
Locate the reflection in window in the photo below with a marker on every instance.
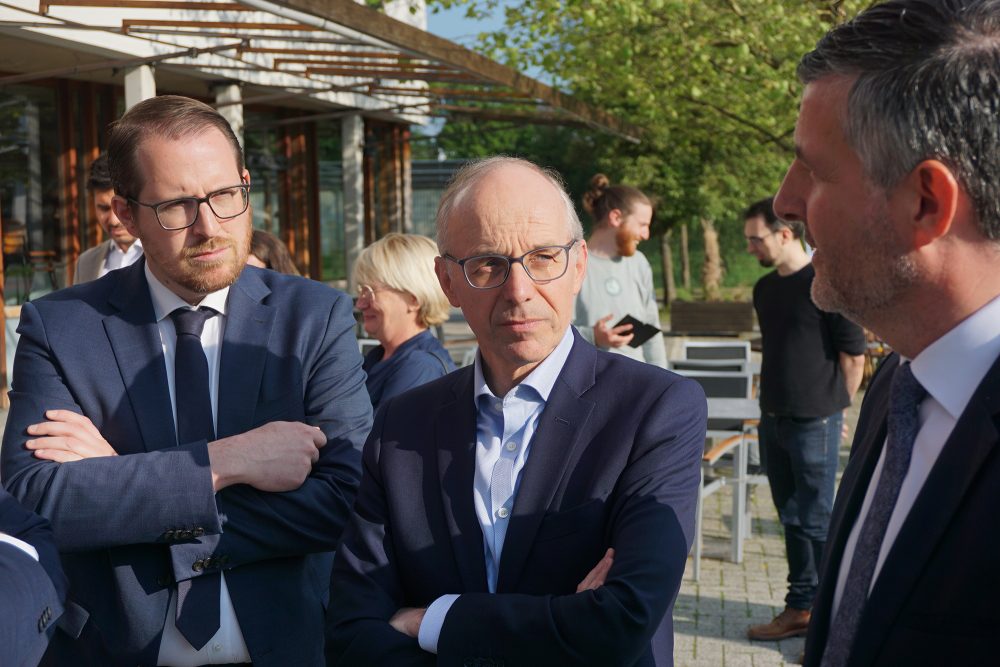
{"x":29,"y":193}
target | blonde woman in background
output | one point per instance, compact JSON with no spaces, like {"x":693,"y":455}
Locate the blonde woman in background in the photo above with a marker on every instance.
{"x":399,"y":298}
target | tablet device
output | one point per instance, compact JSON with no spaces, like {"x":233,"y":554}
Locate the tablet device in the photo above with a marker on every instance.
{"x":641,"y":332}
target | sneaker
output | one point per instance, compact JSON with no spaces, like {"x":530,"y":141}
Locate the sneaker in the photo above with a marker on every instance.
{"x":789,"y":623}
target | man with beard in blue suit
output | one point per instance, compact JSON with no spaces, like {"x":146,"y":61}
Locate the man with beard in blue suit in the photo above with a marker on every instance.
{"x":189,"y":425}
{"x":536,"y":508}
{"x":897,"y":180}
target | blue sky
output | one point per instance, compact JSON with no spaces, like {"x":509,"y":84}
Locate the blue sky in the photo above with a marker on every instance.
{"x":452,"y":24}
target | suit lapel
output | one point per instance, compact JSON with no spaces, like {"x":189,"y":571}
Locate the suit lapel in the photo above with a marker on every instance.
{"x":455,"y":435}
{"x":554,"y":450}
{"x":971,"y":442}
{"x":135,"y":342}
{"x":244,"y":352}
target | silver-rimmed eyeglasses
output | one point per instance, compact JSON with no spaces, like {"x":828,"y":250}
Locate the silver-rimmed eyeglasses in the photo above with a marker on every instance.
{"x":542,"y":265}
{"x":181,"y":213}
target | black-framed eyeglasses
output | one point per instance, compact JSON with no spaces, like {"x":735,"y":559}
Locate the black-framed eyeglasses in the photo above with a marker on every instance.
{"x":181,"y":213}
{"x":542,"y":265}
{"x":758,"y":240}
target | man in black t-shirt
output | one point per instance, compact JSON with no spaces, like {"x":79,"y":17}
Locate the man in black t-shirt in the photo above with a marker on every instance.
{"x":812,"y":366}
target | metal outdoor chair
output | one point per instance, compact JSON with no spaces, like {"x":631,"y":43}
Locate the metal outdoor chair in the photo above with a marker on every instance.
{"x":727,"y":441}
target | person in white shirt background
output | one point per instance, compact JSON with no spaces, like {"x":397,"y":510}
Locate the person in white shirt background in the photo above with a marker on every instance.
{"x":120,"y":248}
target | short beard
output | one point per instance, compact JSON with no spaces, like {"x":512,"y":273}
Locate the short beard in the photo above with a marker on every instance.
{"x":203,"y":279}
{"x":625,"y":242}
{"x":864,"y":296}
{"x":766,"y":263}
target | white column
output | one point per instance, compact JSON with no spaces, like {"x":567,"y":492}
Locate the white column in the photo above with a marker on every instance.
{"x":229,"y":99}
{"x":140,"y":84}
{"x":352,"y":133}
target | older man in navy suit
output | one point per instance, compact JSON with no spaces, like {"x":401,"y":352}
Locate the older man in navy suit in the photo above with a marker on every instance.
{"x":537,"y":507}
{"x":897,"y":179}
{"x":189,"y":426}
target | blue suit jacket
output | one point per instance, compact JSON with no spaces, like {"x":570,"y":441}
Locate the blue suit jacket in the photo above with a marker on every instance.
{"x":614,"y":463}
{"x":935,"y":600}
{"x":31,"y":592}
{"x":131,"y":526}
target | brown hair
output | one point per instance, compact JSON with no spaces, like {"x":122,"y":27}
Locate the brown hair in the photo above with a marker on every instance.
{"x":602,"y":198}
{"x":167,"y":116}
{"x":269,"y":249}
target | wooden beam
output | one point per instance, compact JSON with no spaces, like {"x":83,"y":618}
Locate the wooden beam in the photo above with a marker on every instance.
{"x":43,"y":7}
{"x":111,"y":64}
{"x":324,"y":52}
{"x":469,"y":93}
{"x":395,"y":66}
{"x":128,"y":24}
{"x":394,"y":75}
{"x":375,"y":24}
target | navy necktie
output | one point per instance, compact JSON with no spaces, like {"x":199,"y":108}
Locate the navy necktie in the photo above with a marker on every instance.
{"x":905,"y":396}
{"x":198,"y":597}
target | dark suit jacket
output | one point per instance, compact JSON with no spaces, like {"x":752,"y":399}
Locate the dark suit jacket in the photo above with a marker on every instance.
{"x":131,"y":526}
{"x":935,"y":600}
{"x":614,"y":463}
{"x":31,"y":592}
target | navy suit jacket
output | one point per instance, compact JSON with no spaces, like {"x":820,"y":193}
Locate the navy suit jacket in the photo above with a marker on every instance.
{"x":614,"y":462}
{"x":31,"y":592}
{"x":935,"y":600}
{"x":129,"y":527}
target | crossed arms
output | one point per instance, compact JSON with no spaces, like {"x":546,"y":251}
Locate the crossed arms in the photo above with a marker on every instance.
{"x":98,"y":495}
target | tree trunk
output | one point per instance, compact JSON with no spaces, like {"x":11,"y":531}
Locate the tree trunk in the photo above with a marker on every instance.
{"x":685,"y":259}
{"x":667,"y":260}
{"x":711,"y":272}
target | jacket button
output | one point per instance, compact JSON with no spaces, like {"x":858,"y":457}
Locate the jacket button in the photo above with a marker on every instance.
{"x":198,"y":565}
{"x":169,"y":535}
{"x":184,"y":534}
{"x":198,"y":532}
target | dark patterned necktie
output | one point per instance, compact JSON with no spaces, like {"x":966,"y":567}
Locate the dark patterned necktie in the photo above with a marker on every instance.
{"x":905,"y":396}
{"x":198,"y":597}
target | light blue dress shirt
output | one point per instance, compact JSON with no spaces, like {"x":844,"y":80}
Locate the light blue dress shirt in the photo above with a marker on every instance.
{"x":504,"y":428}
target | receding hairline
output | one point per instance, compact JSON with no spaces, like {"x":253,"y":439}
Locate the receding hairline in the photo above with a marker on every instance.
{"x":180,"y":134}
{"x":466,"y":196}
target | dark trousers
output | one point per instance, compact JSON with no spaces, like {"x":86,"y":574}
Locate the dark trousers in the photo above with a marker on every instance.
{"x":801,"y":456}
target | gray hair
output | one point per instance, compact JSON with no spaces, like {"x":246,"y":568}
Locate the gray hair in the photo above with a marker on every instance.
{"x":472,"y":172}
{"x":928,"y":87}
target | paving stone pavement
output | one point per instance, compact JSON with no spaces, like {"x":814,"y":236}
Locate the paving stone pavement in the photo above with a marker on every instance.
{"x":711,"y":616}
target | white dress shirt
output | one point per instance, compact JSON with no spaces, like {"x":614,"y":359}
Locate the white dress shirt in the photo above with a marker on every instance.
{"x":20,"y":544}
{"x":504,"y":429}
{"x":119,"y":259}
{"x":228,"y":645}
{"x":950,"y":369}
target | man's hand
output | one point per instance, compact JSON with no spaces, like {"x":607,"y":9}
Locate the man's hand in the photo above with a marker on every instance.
{"x":273,"y":457}
{"x":67,"y":436}
{"x":595,"y":578}
{"x":615,"y":337}
{"x":407,"y":620}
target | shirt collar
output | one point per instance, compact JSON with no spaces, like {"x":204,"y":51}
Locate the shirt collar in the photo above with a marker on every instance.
{"x":134,"y":248}
{"x":166,"y":302}
{"x":541,"y":379}
{"x":952,"y":367}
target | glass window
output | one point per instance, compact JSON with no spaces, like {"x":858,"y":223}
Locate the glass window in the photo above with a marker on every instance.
{"x":267,"y":166}
{"x":29,"y":193}
{"x":331,"y":202}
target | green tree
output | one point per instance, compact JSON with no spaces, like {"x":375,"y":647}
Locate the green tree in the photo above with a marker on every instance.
{"x":710,"y":84}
